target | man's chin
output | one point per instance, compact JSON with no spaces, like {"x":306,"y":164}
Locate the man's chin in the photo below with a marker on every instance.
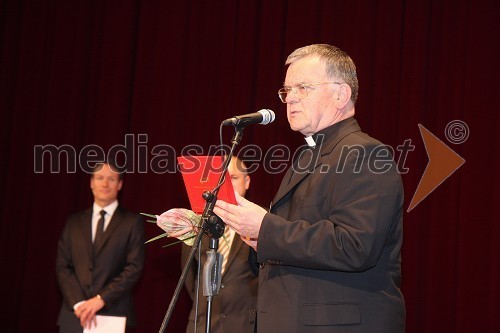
{"x":295,"y":127}
{"x":106,"y":199}
{"x":300,"y":129}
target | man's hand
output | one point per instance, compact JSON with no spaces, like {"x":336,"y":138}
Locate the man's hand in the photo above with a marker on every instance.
{"x":245,"y":219}
{"x":252,"y":242}
{"x":87,"y":310}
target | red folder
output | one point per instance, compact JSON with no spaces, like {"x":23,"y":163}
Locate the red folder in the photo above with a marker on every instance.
{"x":200,"y":174}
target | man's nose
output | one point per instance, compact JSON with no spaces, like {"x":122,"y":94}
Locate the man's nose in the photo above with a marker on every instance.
{"x":291,"y":97}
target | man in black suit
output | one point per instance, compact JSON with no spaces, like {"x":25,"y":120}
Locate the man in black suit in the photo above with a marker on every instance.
{"x":234,"y":308}
{"x":329,"y":248}
{"x":100,"y":257}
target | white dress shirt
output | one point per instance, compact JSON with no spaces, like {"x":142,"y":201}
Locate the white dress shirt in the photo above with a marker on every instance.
{"x":96,"y":215}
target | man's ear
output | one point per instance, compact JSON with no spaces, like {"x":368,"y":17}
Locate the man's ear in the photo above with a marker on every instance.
{"x":344,"y":93}
{"x":247,"y":182}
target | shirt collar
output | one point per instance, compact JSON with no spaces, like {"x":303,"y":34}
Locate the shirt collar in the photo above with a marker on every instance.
{"x":110,"y":209}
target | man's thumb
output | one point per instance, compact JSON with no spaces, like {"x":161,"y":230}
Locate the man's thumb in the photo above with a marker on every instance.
{"x":240,"y":200}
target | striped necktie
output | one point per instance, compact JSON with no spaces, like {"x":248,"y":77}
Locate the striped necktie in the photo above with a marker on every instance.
{"x":224,"y":247}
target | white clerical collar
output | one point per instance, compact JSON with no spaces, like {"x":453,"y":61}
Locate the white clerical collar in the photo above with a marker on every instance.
{"x":310,"y":141}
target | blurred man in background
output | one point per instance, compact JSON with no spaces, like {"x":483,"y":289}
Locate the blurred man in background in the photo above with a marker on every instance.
{"x":100,"y":257}
{"x":233,"y":309}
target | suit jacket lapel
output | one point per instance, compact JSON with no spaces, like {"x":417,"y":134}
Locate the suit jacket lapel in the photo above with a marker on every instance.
{"x":86,"y":231}
{"x":292,"y":178}
{"x":236,"y":245}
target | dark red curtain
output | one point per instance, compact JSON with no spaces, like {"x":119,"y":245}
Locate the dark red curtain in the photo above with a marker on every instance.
{"x":142,"y":77}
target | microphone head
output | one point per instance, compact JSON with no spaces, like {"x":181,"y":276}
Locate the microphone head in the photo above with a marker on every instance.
{"x":268,"y":116}
{"x":264,"y":117}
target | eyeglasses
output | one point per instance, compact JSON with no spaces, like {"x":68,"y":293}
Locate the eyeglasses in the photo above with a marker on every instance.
{"x":299,"y":89}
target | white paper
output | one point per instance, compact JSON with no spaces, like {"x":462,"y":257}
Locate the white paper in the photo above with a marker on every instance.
{"x":108,"y":324}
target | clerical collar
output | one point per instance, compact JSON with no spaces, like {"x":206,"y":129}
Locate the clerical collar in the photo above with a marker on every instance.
{"x":310,"y":141}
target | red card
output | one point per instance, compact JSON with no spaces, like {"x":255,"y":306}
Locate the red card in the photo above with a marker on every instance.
{"x":200,"y":174}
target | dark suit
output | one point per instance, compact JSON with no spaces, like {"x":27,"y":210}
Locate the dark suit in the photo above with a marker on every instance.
{"x":111,"y":272}
{"x":233,"y":309}
{"x":330,"y":247}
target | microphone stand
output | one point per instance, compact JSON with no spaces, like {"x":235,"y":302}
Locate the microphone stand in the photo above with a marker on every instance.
{"x":213,"y":227}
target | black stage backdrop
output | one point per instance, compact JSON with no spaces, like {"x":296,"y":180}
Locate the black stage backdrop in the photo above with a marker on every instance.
{"x":145,"y":78}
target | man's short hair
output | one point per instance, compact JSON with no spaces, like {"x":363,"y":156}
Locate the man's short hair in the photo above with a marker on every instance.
{"x":339,"y":66}
{"x":111,"y":165}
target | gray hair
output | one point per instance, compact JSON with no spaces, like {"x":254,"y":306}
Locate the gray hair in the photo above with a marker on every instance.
{"x":338,"y":64}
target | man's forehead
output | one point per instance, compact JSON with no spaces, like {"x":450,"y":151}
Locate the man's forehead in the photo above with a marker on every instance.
{"x":305,"y":70}
{"x":105,"y":170}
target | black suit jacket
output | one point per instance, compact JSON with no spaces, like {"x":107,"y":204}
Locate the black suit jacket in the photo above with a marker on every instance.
{"x":330,"y":247}
{"x":111,"y":272}
{"x":234,"y":308}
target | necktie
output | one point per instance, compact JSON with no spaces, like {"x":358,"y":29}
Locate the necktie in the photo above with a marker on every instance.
{"x":100,"y":229}
{"x":224,"y":247}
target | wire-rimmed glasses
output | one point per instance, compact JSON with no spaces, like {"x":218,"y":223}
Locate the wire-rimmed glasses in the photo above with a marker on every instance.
{"x":300,"y":89}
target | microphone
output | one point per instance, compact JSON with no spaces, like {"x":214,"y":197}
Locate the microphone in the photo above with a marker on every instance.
{"x":264,"y":117}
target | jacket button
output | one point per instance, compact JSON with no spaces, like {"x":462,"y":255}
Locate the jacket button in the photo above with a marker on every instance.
{"x":223,"y":316}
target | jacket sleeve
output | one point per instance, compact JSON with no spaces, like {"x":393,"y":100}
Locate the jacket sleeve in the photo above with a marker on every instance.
{"x":65,"y":270}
